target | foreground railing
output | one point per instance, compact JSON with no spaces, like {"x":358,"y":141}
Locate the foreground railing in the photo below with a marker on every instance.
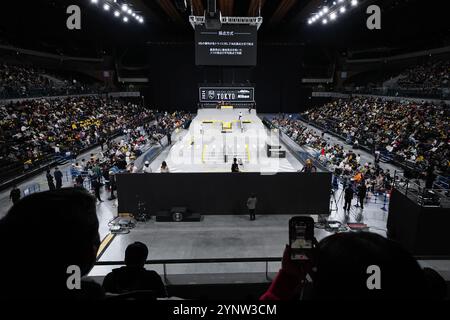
{"x":166,"y":262}
{"x":266,"y":260}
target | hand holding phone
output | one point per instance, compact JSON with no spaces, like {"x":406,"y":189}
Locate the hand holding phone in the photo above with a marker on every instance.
{"x":301,"y":237}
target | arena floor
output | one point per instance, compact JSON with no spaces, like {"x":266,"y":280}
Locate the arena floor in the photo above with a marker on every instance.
{"x":204,"y":146}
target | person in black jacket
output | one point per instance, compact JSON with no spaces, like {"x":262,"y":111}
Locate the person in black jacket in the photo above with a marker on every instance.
{"x":14,"y":194}
{"x":348,"y":196}
{"x":51,"y":184}
{"x":362,"y":192}
{"x":134,"y":276}
{"x":58,"y":178}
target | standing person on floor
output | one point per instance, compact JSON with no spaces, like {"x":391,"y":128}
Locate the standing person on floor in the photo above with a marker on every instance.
{"x":112,"y":185}
{"x":348,"y":196}
{"x":235,"y":166}
{"x":58,"y":178}
{"x":169,"y":136}
{"x":96,"y":186}
{"x":362,"y":192}
{"x":14,"y":195}
{"x":251,"y":205}
{"x":51,"y":184}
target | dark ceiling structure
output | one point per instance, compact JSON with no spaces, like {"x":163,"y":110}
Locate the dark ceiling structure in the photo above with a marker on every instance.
{"x":284,"y":21}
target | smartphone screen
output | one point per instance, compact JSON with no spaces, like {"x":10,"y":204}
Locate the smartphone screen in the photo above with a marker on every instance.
{"x":300,"y":239}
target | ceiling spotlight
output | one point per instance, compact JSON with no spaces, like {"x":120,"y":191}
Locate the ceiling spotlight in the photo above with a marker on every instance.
{"x":354,"y":3}
{"x":124,"y":7}
{"x":116,"y":13}
{"x":94,"y":1}
{"x":106,"y":7}
{"x":310,"y":21}
{"x":141,"y":20}
{"x":333,"y":16}
{"x":129,"y":11}
{"x":133,"y":14}
{"x":342,"y":10}
{"x":320,"y":14}
{"x":324,"y":21}
{"x":325,"y":9}
{"x":125,"y":19}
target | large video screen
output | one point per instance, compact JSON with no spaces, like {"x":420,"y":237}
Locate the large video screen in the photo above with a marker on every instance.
{"x":226,"y":94}
{"x":232,"y":45}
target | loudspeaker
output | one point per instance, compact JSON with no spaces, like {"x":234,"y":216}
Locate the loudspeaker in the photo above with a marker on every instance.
{"x":212,"y":16}
{"x":181,"y":5}
{"x":163,"y":216}
{"x":211,"y":7}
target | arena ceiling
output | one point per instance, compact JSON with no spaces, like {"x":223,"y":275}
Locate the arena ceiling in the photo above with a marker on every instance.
{"x":43,"y":21}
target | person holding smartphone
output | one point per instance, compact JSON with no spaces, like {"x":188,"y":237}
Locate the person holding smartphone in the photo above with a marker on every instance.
{"x":338,"y":268}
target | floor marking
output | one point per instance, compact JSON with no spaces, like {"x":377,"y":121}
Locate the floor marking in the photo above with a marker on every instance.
{"x":105,"y":244}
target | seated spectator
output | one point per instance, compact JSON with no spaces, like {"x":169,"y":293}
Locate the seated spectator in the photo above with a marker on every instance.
{"x":37,"y":251}
{"x":340,"y":263}
{"x":164,"y":167}
{"x":415,"y":134}
{"x":134,"y":276}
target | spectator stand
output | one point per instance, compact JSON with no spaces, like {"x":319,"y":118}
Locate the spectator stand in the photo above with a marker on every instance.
{"x":301,"y":156}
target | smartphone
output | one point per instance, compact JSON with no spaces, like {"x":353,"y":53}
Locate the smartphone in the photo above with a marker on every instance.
{"x":301,"y":237}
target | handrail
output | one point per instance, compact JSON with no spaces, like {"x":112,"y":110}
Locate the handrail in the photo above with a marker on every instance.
{"x":190,"y":261}
{"x":266,"y":260}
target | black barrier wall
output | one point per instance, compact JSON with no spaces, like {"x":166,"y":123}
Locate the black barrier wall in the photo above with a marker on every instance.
{"x":226,"y":193}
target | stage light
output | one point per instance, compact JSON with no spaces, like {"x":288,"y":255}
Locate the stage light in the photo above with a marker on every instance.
{"x":124,"y":7}
{"x":354,"y":3}
{"x":310,"y":21}
{"x":333,"y":16}
{"x":133,"y":14}
{"x":106,"y":7}
{"x":324,"y":21}
{"x":116,"y":13}
{"x":325,"y":10}
{"x":125,"y":19}
{"x":130,"y":11}
{"x":94,"y":1}
{"x":342,"y":10}
{"x":340,"y":1}
{"x":141,"y":20}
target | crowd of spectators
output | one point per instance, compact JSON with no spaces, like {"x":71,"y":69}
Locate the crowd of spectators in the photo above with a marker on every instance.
{"x":343,"y":162}
{"x":22,"y":81}
{"x":428,"y":75}
{"x":411,"y":133}
{"x":119,"y":155}
{"x":33,"y":130}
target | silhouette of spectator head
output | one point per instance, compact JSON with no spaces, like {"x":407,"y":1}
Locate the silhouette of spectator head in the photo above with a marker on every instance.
{"x":136,"y":254}
{"x":343,"y":261}
{"x":44,"y":234}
